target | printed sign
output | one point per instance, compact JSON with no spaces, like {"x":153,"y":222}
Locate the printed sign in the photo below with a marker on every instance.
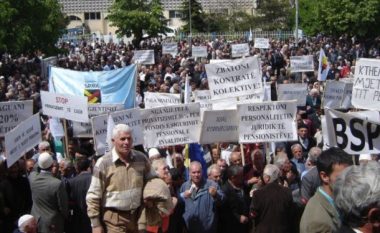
{"x":301,"y":63}
{"x":239,"y":50}
{"x":261,"y":43}
{"x":12,"y":113}
{"x":84,"y":130}
{"x":170,"y":48}
{"x":157,"y":99}
{"x":22,"y":139}
{"x":199,"y":51}
{"x":240,"y":77}
{"x":267,"y":122}
{"x":366,"y":89}
{"x":293,"y":91}
{"x":219,"y":126}
{"x":352,"y":133}
{"x":145,"y":57}
{"x":171,"y":125}
{"x":64,"y":106}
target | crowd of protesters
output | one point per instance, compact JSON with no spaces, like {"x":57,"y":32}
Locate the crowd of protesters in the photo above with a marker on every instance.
{"x":290,"y":189}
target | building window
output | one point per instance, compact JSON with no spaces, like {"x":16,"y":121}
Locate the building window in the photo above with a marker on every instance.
{"x":174,"y":14}
{"x":92,"y":16}
{"x":74,"y":18}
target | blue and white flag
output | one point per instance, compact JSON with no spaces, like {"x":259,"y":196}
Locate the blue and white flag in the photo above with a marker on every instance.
{"x":111,"y":87}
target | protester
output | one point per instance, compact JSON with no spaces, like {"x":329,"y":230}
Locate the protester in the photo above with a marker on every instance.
{"x":50,"y":202}
{"x":357,"y":198}
{"x":320,"y":214}
{"x":200,"y":198}
{"x":27,"y":224}
{"x":79,"y":186}
{"x":272,"y":205}
{"x":115,"y":193}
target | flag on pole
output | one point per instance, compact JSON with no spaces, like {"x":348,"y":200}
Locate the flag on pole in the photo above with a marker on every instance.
{"x":110,"y":126}
{"x":323,"y":66}
{"x":196,"y":154}
{"x":250,"y":35}
{"x":187,"y":90}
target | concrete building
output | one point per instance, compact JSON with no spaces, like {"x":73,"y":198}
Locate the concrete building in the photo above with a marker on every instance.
{"x":93,"y":13}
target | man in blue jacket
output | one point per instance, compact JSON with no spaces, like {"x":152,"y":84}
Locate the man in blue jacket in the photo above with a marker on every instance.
{"x":201,"y":197}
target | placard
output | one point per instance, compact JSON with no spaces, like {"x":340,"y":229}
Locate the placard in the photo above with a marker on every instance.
{"x":145,"y":57}
{"x":267,"y":122}
{"x":219,"y":126}
{"x":130,"y":117}
{"x":293,"y":91}
{"x":301,"y":63}
{"x":240,"y":77}
{"x":171,"y":125}
{"x":199,"y":51}
{"x":12,"y":113}
{"x":22,"y":139}
{"x":170,"y":48}
{"x":239,"y":50}
{"x":65,"y":106}
{"x":366,"y":89}
{"x":261,"y":43}
{"x":84,"y":130}
{"x":158,"y":99}
{"x":333,"y":94}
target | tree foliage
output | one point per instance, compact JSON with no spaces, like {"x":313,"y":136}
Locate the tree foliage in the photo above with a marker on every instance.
{"x":351,"y":17}
{"x":198,"y":17}
{"x":28,"y":25}
{"x":272,"y":15}
{"x":136,"y":17}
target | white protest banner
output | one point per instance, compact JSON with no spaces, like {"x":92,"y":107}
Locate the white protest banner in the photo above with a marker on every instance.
{"x":23,"y":138}
{"x":69,"y":107}
{"x":240,"y":77}
{"x":347,"y":96}
{"x":261,"y":43}
{"x":353,"y":134}
{"x":301,"y":63}
{"x":254,"y":98}
{"x":214,"y":61}
{"x":240,"y":50}
{"x":293,"y":91}
{"x":158,"y":99}
{"x":367,"y":115}
{"x":366,"y":89}
{"x":219,"y":126}
{"x":56,"y":128}
{"x":199,"y":51}
{"x":13,"y":113}
{"x":170,"y":48}
{"x":145,"y":57}
{"x":130,"y":117}
{"x":171,"y":125}
{"x":333,"y":94}
{"x":84,"y":130}
{"x":267,"y":122}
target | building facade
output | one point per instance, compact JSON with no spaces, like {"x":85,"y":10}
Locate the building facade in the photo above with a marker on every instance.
{"x":93,"y":13}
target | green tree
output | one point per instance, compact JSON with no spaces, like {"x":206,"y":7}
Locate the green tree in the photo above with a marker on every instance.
{"x":136,"y":17}
{"x":198,"y":22}
{"x":272,"y":15}
{"x":28,"y":25}
{"x":359,"y":17}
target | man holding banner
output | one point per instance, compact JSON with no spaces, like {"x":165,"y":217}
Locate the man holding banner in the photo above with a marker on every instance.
{"x":115,"y":193}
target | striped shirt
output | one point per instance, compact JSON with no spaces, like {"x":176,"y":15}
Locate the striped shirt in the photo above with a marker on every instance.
{"x":116,"y":185}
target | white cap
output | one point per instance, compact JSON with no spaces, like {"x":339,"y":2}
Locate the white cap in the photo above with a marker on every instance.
{"x":23,"y":220}
{"x":364,"y":157}
{"x":153,"y":152}
{"x":45,"y":160}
